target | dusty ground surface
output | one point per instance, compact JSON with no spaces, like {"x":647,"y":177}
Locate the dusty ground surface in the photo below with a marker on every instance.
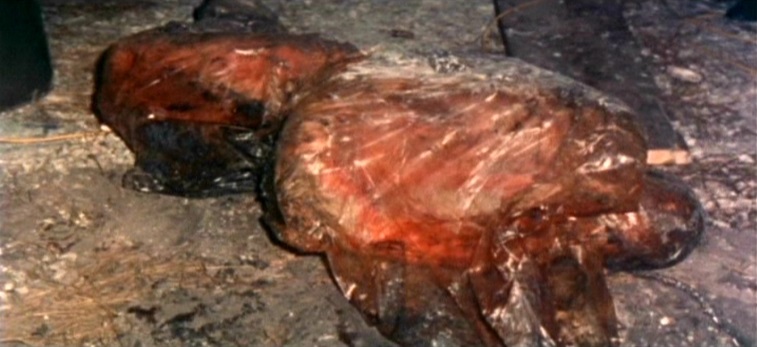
{"x":85,"y":262}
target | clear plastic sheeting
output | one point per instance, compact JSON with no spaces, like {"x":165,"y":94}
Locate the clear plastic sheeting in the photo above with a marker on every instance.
{"x":458,"y":209}
{"x":200,"y":110}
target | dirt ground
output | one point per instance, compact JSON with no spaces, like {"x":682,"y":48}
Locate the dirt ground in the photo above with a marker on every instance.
{"x":84,"y":262}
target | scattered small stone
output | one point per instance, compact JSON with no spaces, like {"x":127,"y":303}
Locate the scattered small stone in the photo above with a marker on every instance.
{"x":721,"y":224}
{"x":445,"y":62}
{"x":9,"y":286}
{"x":401,"y":34}
{"x":746,"y":158}
{"x":71,"y":256}
{"x":665,"y":321}
{"x":684,"y":74}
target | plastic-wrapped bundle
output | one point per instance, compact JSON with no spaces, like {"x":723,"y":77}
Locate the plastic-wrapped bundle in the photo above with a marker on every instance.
{"x":200,"y":110}
{"x":457,"y":209}
{"x":454,"y":210}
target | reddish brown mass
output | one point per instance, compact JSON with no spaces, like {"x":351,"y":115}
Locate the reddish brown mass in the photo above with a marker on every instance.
{"x":489,"y":190}
{"x":204,"y":78}
{"x":453,"y":210}
{"x":434,"y":163}
{"x":200,"y":110}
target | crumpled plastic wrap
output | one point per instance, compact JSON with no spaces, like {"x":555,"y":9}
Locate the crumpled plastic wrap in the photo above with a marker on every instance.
{"x":454,"y":210}
{"x":200,"y":110}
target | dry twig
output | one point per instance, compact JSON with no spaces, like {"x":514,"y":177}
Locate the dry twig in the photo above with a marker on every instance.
{"x":486,"y":31}
{"x":54,"y":138}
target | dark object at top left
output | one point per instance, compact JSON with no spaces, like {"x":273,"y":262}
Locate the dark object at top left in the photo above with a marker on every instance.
{"x":25,"y":68}
{"x":744,"y":10}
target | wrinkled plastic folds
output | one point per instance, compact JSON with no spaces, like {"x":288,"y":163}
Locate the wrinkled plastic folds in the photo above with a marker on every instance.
{"x":454,"y":210}
{"x":200,"y":110}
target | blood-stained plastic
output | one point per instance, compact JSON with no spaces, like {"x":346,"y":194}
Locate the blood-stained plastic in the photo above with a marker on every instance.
{"x":200,"y":110}
{"x":454,"y":210}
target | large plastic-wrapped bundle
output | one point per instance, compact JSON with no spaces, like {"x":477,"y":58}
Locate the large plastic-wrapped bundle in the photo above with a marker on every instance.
{"x":474,"y":211}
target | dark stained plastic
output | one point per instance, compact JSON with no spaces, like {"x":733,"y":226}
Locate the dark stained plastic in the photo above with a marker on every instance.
{"x":200,"y":111}
{"x":453,"y":210}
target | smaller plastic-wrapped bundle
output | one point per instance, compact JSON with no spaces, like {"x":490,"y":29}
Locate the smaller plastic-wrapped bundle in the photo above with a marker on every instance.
{"x":200,"y":110}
